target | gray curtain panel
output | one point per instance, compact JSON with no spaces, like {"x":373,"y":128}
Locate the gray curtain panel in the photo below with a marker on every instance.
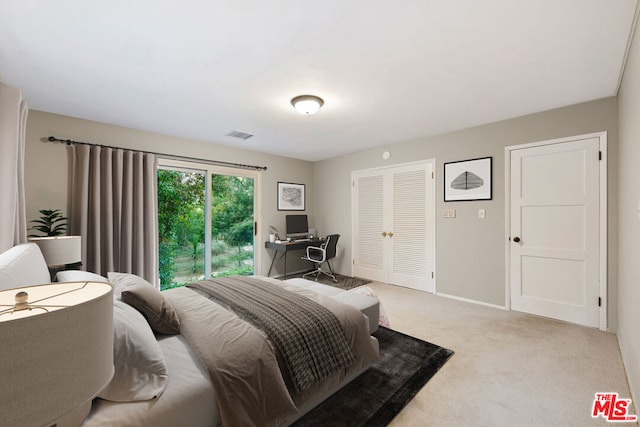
{"x":113,"y":206}
{"x":13,"y":125}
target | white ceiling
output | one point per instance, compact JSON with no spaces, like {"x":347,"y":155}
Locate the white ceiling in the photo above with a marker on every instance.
{"x":388,"y":71}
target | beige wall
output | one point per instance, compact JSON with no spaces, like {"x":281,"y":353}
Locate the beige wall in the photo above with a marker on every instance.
{"x":628,"y":220}
{"x":480,"y":243}
{"x":46,"y":165}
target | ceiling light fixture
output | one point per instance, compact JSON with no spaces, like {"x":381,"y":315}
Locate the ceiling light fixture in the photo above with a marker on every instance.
{"x":307,"y":104}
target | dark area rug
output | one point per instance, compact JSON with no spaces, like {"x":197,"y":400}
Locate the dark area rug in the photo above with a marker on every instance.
{"x":344,"y":282}
{"x":406,"y":364}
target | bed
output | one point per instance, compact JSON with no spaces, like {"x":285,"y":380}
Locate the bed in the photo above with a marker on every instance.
{"x":218,"y":370}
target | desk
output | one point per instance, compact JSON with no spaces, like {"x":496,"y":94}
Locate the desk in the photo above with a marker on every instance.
{"x":285,"y":247}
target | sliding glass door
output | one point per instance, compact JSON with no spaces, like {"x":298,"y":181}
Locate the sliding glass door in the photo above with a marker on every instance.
{"x":206,"y":217}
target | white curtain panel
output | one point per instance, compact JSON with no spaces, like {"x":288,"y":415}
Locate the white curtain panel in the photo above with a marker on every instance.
{"x":113,"y":206}
{"x":13,"y":125}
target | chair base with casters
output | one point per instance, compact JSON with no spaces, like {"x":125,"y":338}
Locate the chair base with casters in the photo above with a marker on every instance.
{"x":318,"y":271}
{"x":321,"y":254}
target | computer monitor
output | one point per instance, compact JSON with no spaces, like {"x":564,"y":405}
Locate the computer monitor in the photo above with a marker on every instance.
{"x":297,"y":226}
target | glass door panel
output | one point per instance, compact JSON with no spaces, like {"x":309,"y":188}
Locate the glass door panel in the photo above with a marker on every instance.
{"x":232,"y":225}
{"x":181,"y":226}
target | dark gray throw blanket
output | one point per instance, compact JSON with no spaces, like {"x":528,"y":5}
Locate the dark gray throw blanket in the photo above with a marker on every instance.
{"x":307,"y":335}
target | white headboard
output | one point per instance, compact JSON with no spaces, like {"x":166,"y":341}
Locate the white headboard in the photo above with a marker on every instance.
{"x":23,"y":265}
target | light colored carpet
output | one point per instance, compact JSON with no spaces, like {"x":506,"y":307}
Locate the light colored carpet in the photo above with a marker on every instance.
{"x":509,"y":368}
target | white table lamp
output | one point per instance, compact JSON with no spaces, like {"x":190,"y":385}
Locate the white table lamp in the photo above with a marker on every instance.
{"x":56,"y":350}
{"x":60,"y":250}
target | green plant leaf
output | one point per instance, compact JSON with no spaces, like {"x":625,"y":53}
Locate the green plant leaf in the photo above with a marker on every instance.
{"x":51,"y":223}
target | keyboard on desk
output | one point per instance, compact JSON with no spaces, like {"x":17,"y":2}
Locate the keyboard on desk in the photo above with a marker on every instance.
{"x":301,"y":240}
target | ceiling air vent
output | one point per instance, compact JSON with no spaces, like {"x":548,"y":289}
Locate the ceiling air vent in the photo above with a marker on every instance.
{"x":238,"y":134}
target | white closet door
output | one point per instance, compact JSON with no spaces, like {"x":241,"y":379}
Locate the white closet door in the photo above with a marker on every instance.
{"x":369,"y":255}
{"x":555,"y":231}
{"x":393,"y":224}
{"x":411,"y":231}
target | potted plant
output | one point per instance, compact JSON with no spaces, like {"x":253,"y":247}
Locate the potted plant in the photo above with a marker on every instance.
{"x":59,"y":251}
{"x":50,"y":223}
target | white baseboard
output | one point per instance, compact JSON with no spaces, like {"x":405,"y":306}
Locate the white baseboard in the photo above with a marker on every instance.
{"x":472,"y":301}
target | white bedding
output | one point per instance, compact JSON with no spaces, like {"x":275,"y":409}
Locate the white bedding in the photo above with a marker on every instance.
{"x":188,"y":401}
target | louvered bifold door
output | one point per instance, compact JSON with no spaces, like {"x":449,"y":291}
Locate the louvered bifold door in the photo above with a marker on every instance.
{"x":393,"y":225}
{"x":411,"y":232}
{"x":369,"y":251}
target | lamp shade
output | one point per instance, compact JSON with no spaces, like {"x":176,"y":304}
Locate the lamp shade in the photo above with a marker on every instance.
{"x":307,"y":104}
{"x":56,"y":350}
{"x":60,"y":250}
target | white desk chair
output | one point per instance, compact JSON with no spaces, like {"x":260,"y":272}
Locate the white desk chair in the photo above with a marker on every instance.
{"x":321,"y":254}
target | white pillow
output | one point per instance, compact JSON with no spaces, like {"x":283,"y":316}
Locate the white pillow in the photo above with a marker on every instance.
{"x":140,"y":369}
{"x":79,"y":276}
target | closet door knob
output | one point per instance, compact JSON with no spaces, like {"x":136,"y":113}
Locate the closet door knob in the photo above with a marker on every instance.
{"x":384,"y":234}
{"x":516,"y":239}
{"x":391,"y":234}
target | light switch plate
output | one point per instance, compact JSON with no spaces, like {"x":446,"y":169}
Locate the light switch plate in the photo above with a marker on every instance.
{"x":449,"y":213}
{"x":481,"y":213}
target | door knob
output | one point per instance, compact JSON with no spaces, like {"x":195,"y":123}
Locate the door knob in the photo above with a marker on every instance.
{"x":516,"y":239}
{"x":391,"y":234}
{"x":384,"y":234}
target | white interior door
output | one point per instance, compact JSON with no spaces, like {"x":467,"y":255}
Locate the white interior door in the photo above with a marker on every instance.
{"x":555,"y":231}
{"x":393,"y":224}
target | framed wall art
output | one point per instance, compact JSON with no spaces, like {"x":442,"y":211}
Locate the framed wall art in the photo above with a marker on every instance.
{"x":290,"y":196}
{"x":468,"y":180}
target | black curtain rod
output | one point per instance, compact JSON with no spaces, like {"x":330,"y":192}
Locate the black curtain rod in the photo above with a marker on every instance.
{"x":166,"y":156}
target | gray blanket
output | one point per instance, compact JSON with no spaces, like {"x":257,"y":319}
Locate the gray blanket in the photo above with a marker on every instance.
{"x":307,"y":335}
